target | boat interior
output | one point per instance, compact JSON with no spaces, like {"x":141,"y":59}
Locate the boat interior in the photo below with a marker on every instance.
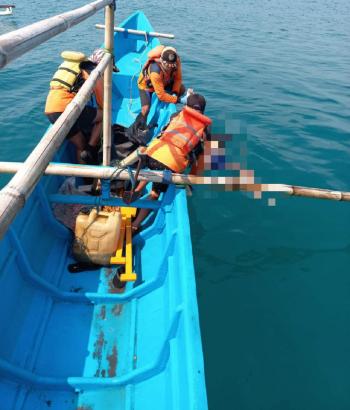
{"x":74,"y":341}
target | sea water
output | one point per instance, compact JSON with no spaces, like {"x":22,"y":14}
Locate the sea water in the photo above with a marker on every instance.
{"x":273,"y":281}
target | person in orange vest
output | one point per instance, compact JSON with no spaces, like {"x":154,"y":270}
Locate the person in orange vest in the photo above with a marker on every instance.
{"x":179,"y":145}
{"x":162,"y":75}
{"x":64,"y":86}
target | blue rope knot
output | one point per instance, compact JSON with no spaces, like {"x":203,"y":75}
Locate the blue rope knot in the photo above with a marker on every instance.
{"x":167,"y":174}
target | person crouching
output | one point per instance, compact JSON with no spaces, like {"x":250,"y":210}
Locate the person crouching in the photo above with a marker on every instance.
{"x":64,"y":86}
{"x":162,"y":75}
{"x":172,"y":150}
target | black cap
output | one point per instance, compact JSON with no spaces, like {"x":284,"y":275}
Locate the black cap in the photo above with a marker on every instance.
{"x":197,"y":102}
{"x":169,"y":55}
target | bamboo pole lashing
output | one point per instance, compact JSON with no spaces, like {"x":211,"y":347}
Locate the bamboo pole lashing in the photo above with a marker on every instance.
{"x":246,"y":184}
{"x":18,"y":42}
{"x":138,"y":32}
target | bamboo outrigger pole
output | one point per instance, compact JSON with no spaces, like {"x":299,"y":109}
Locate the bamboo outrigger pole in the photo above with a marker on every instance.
{"x":107,"y":88}
{"x":246,"y":184}
{"x":15,"y":193}
{"x":138,"y":32}
{"x":18,"y":42}
{"x":12,"y":45}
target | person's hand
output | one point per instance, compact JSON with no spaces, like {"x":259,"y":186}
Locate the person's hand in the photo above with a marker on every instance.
{"x":183,"y":99}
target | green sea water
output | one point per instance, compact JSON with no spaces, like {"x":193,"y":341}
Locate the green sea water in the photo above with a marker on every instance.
{"x":273,"y":281}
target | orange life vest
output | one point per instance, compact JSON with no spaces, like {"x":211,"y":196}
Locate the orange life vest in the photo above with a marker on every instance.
{"x":181,"y":136}
{"x":154,"y":57}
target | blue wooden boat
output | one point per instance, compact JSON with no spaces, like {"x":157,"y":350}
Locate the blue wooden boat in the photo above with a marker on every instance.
{"x":74,"y":341}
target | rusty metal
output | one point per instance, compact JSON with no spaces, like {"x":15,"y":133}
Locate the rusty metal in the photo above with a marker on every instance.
{"x":112,"y":362}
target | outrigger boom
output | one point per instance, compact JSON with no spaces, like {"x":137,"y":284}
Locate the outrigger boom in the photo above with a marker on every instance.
{"x":138,"y":32}
{"x":246,"y":184}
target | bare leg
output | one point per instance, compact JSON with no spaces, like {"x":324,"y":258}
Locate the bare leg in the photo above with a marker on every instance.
{"x":79,"y":141}
{"x":143,"y":212}
{"x":145,"y":110}
{"x":140,"y":186}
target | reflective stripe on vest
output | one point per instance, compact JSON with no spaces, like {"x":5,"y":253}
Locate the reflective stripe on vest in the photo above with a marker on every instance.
{"x":181,"y":136}
{"x":186,"y":130}
{"x":154,"y":57}
{"x":66,"y":75}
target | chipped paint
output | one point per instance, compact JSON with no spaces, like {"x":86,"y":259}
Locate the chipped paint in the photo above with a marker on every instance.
{"x":112,"y":361}
{"x":112,"y":289}
{"x":97,"y":354}
{"x":108,"y":272}
{"x":100,"y":342}
{"x":102,"y":314}
{"x":117,"y":309}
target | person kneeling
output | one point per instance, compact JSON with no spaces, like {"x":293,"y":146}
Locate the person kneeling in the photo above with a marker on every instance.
{"x":64,"y":86}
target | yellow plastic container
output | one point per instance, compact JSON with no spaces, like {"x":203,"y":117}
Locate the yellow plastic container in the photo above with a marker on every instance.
{"x":96,"y":236}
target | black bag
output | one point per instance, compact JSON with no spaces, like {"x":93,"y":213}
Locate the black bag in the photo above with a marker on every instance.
{"x":121,"y":148}
{"x":139,"y":132}
{"x":121,"y":143}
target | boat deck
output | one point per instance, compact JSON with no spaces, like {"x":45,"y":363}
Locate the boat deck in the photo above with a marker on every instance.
{"x":68,"y":331}
{"x":73,"y":341}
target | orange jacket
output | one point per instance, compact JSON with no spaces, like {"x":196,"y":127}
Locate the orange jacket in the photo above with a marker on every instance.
{"x":157,"y":81}
{"x":181,"y":136}
{"x":59,"y":97}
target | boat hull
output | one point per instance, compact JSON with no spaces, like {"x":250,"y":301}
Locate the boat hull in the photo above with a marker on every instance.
{"x":6,"y":11}
{"x":73,"y":341}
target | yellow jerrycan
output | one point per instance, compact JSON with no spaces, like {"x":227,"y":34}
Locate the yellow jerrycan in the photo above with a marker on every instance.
{"x":96,"y":236}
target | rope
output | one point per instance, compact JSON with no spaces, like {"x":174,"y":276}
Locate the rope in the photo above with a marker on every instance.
{"x":136,"y":60}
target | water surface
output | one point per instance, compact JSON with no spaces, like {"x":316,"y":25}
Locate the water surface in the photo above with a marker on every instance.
{"x":273,"y":282}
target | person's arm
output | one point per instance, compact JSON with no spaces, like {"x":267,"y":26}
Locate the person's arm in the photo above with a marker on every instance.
{"x":178,"y":78}
{"x":98,"y":90}
{"x":198,"y":165}
{"x":158,"y":86}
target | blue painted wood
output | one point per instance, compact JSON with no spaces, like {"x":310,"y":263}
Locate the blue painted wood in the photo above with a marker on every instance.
{"x":73,"y":342}
{"x":91,"y":297}
{"x":98,"y":201}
